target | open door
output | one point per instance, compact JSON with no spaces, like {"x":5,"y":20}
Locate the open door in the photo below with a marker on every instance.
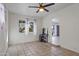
{"x":3,"y":35}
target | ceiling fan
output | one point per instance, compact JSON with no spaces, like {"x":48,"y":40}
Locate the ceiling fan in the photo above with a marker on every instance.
{"x":41,"y":7}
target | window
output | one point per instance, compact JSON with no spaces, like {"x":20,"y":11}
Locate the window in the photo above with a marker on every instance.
{"x":31,"y":26}
{"x":27,"y":26}
{"x":21,"y":26}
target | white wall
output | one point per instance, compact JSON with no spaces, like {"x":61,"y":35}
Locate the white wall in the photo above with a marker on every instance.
{"x":69,"y":26}
{"x":15,"y":36}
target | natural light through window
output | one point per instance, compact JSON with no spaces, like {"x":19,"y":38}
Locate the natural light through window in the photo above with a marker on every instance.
{"x":30,"y":27}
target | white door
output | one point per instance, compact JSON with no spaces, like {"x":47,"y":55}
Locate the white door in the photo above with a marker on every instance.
{"x":2,"y":30}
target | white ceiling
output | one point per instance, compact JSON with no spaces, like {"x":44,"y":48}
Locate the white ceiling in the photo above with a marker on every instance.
{"x":22,"y":8}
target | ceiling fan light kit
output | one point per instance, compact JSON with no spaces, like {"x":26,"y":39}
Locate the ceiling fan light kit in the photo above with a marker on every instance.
{"x":41,"y":7}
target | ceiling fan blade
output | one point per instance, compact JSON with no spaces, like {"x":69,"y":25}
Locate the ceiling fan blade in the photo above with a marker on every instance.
{"x":46,"y":10}
{"x":33,"y":7}
{"x":37,"y":11}
{"x":49,"y":4}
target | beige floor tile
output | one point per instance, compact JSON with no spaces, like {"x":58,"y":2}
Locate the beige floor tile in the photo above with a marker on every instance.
{"x":38,"y":49}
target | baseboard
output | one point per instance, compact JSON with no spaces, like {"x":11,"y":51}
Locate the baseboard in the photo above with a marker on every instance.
{"x":69,"y":50}
{"x":65,"y":49}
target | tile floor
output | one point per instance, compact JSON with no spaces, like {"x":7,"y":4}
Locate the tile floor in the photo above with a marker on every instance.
{"x":38,"y":49}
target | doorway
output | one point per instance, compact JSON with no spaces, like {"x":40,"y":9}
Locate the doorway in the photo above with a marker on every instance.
{"x":55,"y":32}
